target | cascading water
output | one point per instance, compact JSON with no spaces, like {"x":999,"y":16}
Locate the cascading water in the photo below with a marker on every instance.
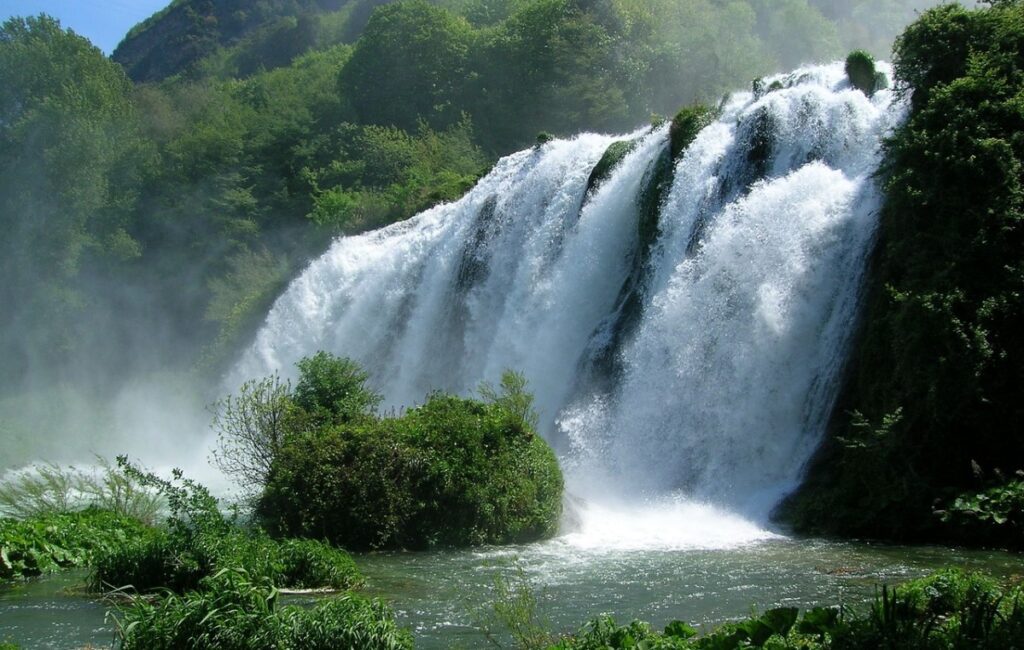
{"x":694,"y":362}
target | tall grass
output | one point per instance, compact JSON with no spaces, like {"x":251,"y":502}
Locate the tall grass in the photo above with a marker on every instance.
{"x":233,"y":611}
{"x":46,"y":489}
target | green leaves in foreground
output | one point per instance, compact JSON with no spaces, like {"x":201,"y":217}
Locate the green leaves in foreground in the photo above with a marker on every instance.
{"x":950,"y":610}
{"x":234,"y":611}
{"x":58,"y":541}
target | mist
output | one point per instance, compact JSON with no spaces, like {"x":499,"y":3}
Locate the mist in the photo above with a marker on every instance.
{"x":148,"y":227}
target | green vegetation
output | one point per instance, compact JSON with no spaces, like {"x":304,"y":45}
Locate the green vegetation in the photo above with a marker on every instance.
{"x":233,"y":611}
{"x":199,"y":541}
{"x":930,"y":415}
{"x":687,"y":123}
{"x":612,"y":156}
{"x":946,"y":611}
{"x":44,"y":490}
{"x":453,"y":472}
{"x":57,"y":541}
{"x":992,"y":516}
{"x":860,"y":68}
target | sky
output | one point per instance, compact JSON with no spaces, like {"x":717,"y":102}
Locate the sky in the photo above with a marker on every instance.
{"x":104,"y":22}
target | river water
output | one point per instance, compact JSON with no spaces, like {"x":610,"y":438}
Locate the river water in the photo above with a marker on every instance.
{"x":444,"y":597}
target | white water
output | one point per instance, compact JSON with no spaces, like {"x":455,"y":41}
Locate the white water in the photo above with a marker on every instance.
{"x":719,"y":394}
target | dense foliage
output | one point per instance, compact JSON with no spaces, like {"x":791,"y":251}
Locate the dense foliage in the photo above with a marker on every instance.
{"x":198,"y":541}
{"x":933,"y":406}
{"x":453,"y":472}
{"x":233,"y":611}
{"x":55,"y":541}
{"x":946,"y":611}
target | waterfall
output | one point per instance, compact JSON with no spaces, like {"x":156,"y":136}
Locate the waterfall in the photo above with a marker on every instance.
{"x":697,"y":359}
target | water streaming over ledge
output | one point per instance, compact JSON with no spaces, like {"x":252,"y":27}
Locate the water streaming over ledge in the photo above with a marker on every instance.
{"x":687,"y":367}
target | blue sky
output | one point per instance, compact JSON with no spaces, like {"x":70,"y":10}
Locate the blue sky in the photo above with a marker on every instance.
{"x":104,"y":22}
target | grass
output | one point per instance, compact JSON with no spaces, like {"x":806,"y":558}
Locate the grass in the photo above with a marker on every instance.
{"x":233,"y":611}
{"x":165,"y":561}
{"x":47,"y":489}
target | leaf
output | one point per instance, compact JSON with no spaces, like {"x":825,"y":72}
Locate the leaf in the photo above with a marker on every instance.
{"x":679,"y":630}
{"x":780,"y":619}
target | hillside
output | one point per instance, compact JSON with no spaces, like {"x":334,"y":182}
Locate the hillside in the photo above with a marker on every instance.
{"x":187,"y":31}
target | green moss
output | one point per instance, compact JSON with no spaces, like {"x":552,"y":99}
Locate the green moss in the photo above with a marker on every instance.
{"x":543,"y":138}
{"x":687,"y":124}
{"x":860,"y":68}
{"x":453,"y":472}
{"x":613,"y":155}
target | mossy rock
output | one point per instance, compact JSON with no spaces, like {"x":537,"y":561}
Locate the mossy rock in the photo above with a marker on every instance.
{"x":613,"y":155}
{"x":881,"y":81}
{"x":687,"y":124}
{"x":860,"y":68}
{"x":543,"y":138}
{"x":761,"y":144}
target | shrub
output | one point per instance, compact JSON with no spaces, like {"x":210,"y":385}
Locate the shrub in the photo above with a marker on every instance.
{"x":234,"y":611}
{"x":994,"y":515}
{"x":199,"y":542}
{"x":252,"y":426}
{"x":453,"y":472}
{"x":250,"y":430}
{"x":333,"y":390}
{"x":860,"y":68}
{"x":57,"y":541}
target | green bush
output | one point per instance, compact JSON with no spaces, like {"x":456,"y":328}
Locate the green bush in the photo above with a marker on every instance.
{"x":232,"y":611}
{"x":860,"y":68}
{"x":333,"y":390}
{"x":56,"y":541}
{"x":994,"y":515}
{"x":199,"y":542}
{"x":453,"y":472}
{"x":168,"y":562}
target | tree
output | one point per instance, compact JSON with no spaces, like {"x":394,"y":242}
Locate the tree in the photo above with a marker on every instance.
{"x":251,"y":429}
{"x":410,"y":63}
{"x":333,"y":390}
